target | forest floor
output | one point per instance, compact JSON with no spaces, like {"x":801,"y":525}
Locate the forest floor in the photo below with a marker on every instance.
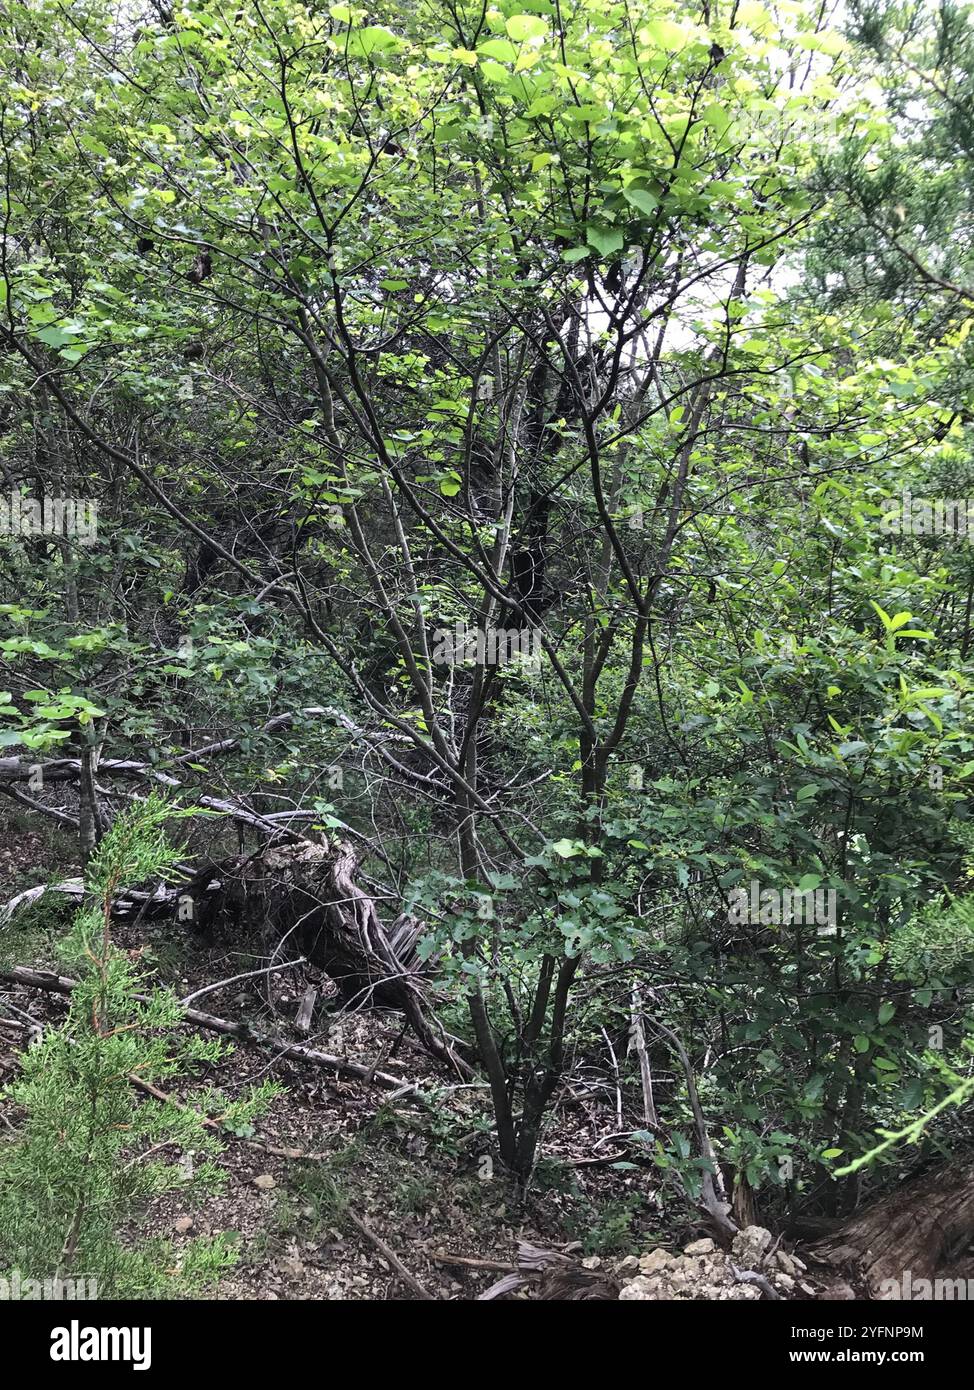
{"x":337,"y":1167}
{"x":418,"y":1174}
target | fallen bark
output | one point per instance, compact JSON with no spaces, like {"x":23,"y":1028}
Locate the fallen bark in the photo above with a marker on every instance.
{"x":553,"y":1277}
{"x":920,"y":1228}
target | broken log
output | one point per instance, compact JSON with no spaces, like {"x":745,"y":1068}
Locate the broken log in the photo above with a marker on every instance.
{"x":63,"y":984}
{"x":304,"y":894}
{"x":553,"y":1276}
{"x":922,"y":1229}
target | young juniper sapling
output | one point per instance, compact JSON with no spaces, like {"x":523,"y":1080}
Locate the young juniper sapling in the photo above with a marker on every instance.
{"x":90,"y":1149}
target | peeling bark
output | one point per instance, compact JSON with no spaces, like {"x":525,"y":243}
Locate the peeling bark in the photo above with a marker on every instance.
{"x":921,"y":1228}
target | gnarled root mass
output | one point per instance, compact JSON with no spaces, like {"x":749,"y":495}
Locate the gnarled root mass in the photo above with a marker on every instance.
{"x":304,"y":897}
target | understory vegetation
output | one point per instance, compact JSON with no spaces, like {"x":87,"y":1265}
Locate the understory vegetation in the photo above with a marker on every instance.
{"x":486,"y":621}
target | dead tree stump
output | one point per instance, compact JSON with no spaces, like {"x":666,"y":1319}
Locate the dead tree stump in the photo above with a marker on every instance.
{"x":304,"y":896}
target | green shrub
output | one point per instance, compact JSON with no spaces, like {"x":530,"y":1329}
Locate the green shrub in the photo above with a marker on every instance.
{"x":91,"y":1149}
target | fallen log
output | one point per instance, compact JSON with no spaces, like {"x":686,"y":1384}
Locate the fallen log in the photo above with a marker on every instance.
{"x":553,"y":1277}
{"x":920,"y":1231}
{"x":128,"y":902}
{"x":63,"y":984}
{"x":306,"y":891}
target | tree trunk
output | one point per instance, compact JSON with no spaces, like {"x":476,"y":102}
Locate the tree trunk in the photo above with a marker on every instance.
{"x":919,"y":1232}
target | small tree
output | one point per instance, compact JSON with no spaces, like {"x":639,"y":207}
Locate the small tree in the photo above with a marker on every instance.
{"x":91,"y":1148}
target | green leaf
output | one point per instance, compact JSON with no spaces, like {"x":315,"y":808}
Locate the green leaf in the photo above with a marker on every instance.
{"x":56,"y":337}
{"x":663,"y":33}
{"x":494,"y":72}
{"x":716,"y":117}
{"x":886,"y":620}
{"x":501,"y":49}
{"x":526,"y":26}
{"x":566,"y":849}
{"x":606,"y":240}
{"x":641,"y":200}
{"x":361,"y":43}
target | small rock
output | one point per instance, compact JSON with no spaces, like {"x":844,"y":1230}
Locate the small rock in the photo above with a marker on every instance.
{"x":840,"y":1290}
{"x":265,"y":1182}
{"x":628,"y":1267}
{"x":593,"y":1262}
{"x":639,"y":1289}
{"x":750,"y":1245}
{"x":655,"y":1261}
{"x":701,"y":1247}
